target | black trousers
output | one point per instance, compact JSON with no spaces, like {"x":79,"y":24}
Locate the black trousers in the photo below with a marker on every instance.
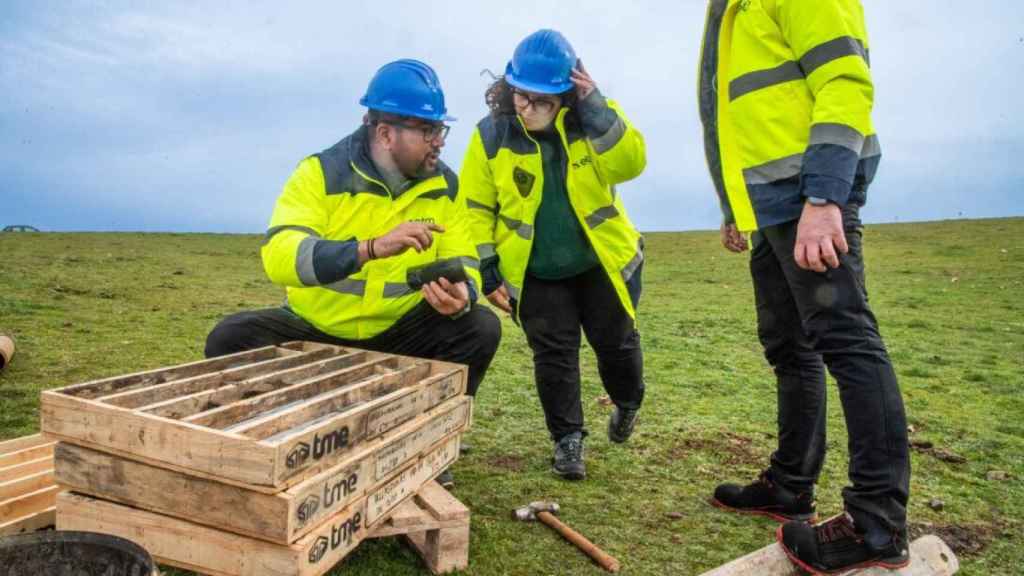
{"x":422,"y":332}
{"x":806,"y":321}
{"x":552,"y":313}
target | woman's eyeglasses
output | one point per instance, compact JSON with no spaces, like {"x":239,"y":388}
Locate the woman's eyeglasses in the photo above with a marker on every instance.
{"x":541,"y":104}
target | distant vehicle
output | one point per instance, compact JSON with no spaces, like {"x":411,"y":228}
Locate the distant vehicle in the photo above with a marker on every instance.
{"x":20,"y":228}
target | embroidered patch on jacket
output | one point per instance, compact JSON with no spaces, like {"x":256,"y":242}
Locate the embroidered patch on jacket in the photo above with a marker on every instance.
{"x":524,"y":181}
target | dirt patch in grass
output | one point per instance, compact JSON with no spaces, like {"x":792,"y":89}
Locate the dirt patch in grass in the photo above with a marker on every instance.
{"x":733,"y":449}
{"x":507,"y":462}
{"x":963,"y":540}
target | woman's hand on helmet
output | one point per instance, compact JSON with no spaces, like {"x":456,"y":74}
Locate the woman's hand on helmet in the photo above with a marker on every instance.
{"x":585,"y":85}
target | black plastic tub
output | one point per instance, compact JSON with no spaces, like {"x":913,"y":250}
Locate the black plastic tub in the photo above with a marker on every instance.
{"x":67,"y":553}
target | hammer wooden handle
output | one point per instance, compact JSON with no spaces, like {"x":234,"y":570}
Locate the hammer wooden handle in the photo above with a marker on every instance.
{"x":607,"y":561}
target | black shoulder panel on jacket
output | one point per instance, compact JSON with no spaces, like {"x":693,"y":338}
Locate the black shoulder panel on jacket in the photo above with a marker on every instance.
{"x":335,"y":163}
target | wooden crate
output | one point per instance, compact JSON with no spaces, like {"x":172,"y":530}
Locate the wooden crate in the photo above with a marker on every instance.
{"x":27,"y":489}
{"x":436,"y":525}
{"x":265,"y":419}
{"x":283,"y":517}
{"x":220,"y":553}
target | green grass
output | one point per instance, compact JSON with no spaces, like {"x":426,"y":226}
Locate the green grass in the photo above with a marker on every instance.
{"x":949,"y":296}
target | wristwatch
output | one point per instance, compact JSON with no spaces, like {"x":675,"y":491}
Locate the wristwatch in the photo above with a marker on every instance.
{"x":815,"y":201}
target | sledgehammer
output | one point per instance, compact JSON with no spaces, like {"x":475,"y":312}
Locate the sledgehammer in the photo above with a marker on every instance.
{"x":545,"y":512}
{"x":6,"y":350}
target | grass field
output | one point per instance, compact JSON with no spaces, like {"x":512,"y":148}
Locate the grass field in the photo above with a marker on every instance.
{"x":949,"y":296}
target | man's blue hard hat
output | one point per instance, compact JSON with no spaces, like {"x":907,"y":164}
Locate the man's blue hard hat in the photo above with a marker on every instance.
{"x":542,"y":63}
{"x":407,"y":88}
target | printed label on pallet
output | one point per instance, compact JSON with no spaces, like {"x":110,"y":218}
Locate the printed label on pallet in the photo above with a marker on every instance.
{"x":400,"y":451}
{"x":409,"y":480}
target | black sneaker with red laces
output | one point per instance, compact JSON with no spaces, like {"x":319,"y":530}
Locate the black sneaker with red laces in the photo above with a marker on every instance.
{"x":764,"y":497}
{"x":836,"y":546}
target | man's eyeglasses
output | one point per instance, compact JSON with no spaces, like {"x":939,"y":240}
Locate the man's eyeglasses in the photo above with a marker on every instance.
{"x":542,"y":104}
{"x":431,"y":132}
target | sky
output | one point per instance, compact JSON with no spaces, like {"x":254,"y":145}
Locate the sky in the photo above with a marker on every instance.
{"x":190,"y":116}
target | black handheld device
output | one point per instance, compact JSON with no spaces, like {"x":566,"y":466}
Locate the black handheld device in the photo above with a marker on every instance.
{"x":449,"y":268}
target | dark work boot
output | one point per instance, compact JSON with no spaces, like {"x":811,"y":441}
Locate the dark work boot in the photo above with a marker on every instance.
{"x":764,"y":497}
{"x":446,"y":479}
{"x":838,"y":545}
{"x":568,"y":459}
{"x":621,"y":424}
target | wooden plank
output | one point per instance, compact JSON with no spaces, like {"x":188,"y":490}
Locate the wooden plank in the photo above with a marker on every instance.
{"x":26,"y":468}
{"x":334,"y":438}
{"x":16,"y":444}
{"x":929,"y":556}
{"x":177,"y":542}
{"x":282,"y":517}
{"x":225,"y":416}
{"x":29,"y":523}
{"x":287,"y":371}
{"x":407,"y":515}
{"x":97,"y":388}
{"x":440,"y":503}
{"x":108,"y":428}
{"x":27,"y":504}
{"x":140,"y":397}
{"x":27,"y":455}
{"x":21,"y":486}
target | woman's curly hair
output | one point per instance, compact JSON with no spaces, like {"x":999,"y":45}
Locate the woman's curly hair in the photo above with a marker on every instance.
{"x":498,"y":97}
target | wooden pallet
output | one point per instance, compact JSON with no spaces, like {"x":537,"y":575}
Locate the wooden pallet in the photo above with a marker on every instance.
{"x":436,"y":525}
{"x":207,"y":550}
{"x":265,"y":419}
{"x":281,"y":518}
{"x":27,"y":489}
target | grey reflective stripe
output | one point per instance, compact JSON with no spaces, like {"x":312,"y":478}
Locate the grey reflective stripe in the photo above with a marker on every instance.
{"x":610,"y":138}
{"x":633,"y":264}
{"x":470,"y":262}
{"x":832,"y":50}
{"x":397,"y":290}
{"x":871,"y":148}
{"x":273,"y":231}
{"x":524,"y":230}
{"x":486,"y":250}
{"x":599,"y":216}
{"x":513,"y":292}
{"x":774,"y":170}
{"x":348,"y":286}
{"x":304,"y":261}
{"x":474,"y":204}
{"x":785,"y":72}
{"x":837,"y":134}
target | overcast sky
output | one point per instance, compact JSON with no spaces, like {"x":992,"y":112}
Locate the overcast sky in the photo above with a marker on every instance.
{"x":178,"y":116}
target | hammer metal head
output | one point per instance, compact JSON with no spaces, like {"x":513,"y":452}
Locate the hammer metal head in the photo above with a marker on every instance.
{"x":529,"y":512}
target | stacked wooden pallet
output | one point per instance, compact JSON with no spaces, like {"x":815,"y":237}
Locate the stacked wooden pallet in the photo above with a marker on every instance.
{"x":27,"y":489}
{"x":279,"y":460}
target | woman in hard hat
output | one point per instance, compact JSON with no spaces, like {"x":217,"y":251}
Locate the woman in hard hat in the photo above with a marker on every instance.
{"x":557,"y":250}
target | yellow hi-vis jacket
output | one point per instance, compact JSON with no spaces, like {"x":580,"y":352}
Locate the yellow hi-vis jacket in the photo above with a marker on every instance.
{"x":332,"y":201}
{"x":785,"y":98}
{"x":503,"y":176}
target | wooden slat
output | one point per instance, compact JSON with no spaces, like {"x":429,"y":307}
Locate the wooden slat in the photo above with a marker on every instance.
{"x":440,"y":503}
{"x":96,"y":388}
{"x":20,"y":486}
{"x":110,"y":428}
{"x":26,"y":455}
{"x":236,"y":412}
{"x":208,"y":400}
{"x":16,"y":444}
{"x":28,"y":504}
{"x":26,"y":468}
{"x":407,"y":483}
{"x":29,"y":523}
{"x":176,"y":388}
{"x":333,"y":400}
